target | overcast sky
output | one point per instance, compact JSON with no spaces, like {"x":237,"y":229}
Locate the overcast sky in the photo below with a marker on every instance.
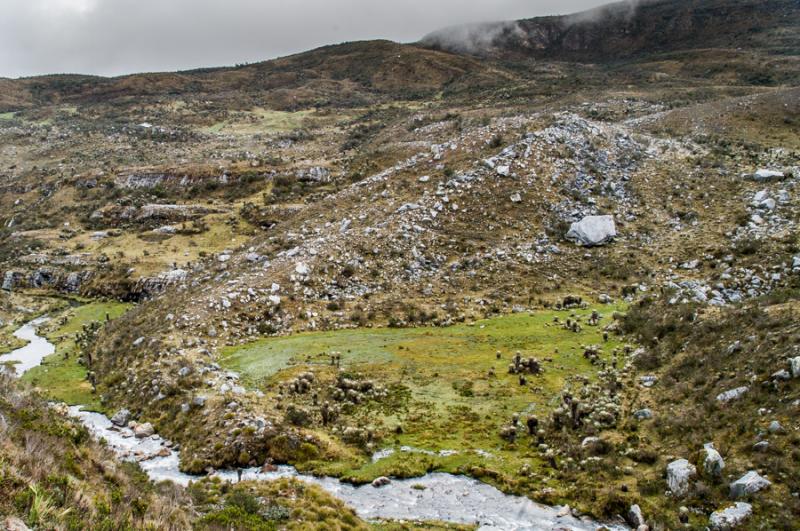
{"x":112,"y":37}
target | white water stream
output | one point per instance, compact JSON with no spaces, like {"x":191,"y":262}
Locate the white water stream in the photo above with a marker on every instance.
{"x":434,"y":496}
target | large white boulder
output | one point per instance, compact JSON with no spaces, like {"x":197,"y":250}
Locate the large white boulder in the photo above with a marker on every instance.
{"x":593,"y":230}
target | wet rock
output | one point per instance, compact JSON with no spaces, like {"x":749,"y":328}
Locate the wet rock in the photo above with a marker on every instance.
{"x":381,"y":482}
{"x":593,"y":230}
{"x":142,"y":431}
{"x":121,"y":418}
{"x":731,"y":517}
{"x":733,"y":394}
{"x":713,"y":462}
{"x":679,"y":472}
{"x":750,"y":483}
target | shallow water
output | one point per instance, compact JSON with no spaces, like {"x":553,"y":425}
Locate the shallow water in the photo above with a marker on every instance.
{"x":32,"y":354}
{"x":435,"y":496}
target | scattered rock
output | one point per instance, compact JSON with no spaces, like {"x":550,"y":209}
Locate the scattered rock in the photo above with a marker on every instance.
{"x":733,"y":394}
{"x":713,"y":463}
{"x":781,"y":375}
{"x":381,"y":482}
{"x":775,"y":427}
{"x":794,"y":363}
{"x":121,"y":418}
{"x":635,"y":516}
{"x":750,"y":483}
{"x":142,"y":431}
{"x":761,"y":446}
{"x":767,"y":175}
{"x":648,"y":380}
{"x":731,"y":517}
{"x":679,"y":472}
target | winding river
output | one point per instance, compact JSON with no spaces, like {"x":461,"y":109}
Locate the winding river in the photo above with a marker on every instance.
{"x":435,"y":496}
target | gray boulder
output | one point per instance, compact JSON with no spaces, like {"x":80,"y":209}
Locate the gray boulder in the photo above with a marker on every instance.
{"x":635,"y":516}
{"x":593,"y":230}
{"x":733,"y":394}
{"x":643,"y":414}
{"x":142,"y":431}
{"x":8,"y":281}
{"x":731,"y":517}
{"x":767,"y":175}
{"x":794,"y":363}
{"x":750,"y":483}
{"x":713,"y":463}
{"x":679,"y":472}
{"x":121,"y":418}
{"x":761,"y":446}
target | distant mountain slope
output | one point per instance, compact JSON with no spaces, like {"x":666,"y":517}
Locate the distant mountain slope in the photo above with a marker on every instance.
{"x":627,"y":29}
{"x":350,"y":73}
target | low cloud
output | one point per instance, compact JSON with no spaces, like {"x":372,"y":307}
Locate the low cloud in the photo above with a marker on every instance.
{"x":111,"y":37}
{"x":472,"y":38}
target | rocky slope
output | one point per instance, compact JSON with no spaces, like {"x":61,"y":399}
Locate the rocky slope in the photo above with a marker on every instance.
{"x":631,"y":28}
{"x":370,"y":186}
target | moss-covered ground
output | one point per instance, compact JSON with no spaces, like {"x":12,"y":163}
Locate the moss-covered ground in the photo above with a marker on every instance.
{"x":60,"y":375}
{"x":449,"y":394}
